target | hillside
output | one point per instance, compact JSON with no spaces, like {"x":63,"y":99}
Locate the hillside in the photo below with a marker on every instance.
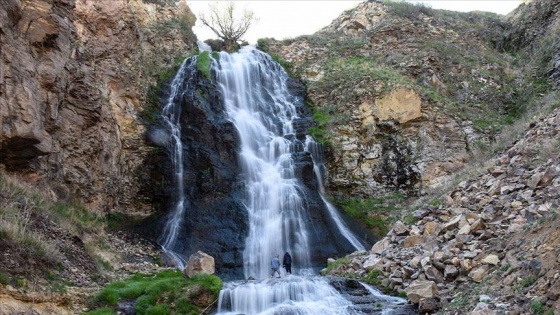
{"x":78,"y":82}
{"x":444,"y":124}
{"x":440,"y":130}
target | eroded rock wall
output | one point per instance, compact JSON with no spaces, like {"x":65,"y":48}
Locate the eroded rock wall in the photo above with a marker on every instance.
{"x":401,"y":108}
{"x":74,"y":78}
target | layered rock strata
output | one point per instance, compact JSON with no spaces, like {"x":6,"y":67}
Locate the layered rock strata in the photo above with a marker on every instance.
{"x":74,"y":79}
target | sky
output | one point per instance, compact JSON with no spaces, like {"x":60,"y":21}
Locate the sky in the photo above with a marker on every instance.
{"x":289,"y":19}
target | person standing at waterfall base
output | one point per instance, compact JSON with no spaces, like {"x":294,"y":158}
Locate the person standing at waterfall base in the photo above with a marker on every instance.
{"x":287,"y":263}
{"x":275,"y":265}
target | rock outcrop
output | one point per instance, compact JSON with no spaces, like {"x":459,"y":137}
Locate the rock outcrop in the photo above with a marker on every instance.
{"x":75,"y":77}
{"x":404,"y":113}
{"x":498,"y":230}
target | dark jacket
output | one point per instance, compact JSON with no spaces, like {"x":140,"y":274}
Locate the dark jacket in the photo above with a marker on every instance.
{"x":287,"y":259}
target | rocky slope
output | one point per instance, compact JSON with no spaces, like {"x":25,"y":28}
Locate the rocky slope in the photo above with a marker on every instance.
{"x":492,"y":244}
{"x":407,"y":92}
{"x":75,"y":78}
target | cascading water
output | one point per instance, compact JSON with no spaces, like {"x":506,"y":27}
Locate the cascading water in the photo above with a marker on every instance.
{"x":257,"y":100}
{"x":170,"y":117}
{"x":319,"y":168}
{"x":285,"y":212}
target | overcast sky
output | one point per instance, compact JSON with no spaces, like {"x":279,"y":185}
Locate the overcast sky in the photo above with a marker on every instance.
{"x":288,"y":19}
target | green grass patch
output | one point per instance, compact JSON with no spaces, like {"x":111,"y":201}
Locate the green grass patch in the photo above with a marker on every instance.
{"x":203,"y":63}
{"x":334,"y":265}
{"x":102,"y":311}
{"x":375,"y":213}
{"x":374,"y":277}
{"x":167,"y":292}
{"x":322,"y":122}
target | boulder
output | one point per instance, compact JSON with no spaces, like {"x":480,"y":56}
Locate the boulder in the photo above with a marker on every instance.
{"x":419,"y":290}
{"x":198,"y":263}
{"x":478,"y":274}
{"x":380,"y":246}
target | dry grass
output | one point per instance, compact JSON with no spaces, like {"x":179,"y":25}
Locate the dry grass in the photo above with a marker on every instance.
{"x":19,"y":204}
{"x":483,"y":155}
{"x":31,"y":222}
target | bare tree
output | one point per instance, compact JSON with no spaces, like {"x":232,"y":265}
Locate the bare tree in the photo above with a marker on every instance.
{"x":228,"y":26}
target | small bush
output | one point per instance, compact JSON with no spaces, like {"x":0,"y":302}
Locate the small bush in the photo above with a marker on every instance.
{"x":4,"y":278}
{"x":108,"y":296}
{"x":537,"y":308}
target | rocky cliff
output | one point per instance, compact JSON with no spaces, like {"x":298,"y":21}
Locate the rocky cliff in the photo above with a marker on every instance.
{"x":487,"y":245}
{"x":408,"y":92}
{"x":74,"y":80}
{"x":493,"y":239}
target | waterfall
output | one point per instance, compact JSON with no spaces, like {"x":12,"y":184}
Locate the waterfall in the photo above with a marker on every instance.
{"x":282,"y":173}
{"x":170,"y":117}
{"x":257,"y":100}
{"x":319,"y":168}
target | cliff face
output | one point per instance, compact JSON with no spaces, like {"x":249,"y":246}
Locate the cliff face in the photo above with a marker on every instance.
{"x":74,"y":78}
{"x":405,"y":90}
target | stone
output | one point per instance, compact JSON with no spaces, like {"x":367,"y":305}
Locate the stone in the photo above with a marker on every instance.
{"x":199,"y":263}
{"x":413,"y":240}
{"x":483,"y":309}
{"x":420,"y":289}
{"x":491,"y":260}
{"x":433,"y":274}
{"x":399,"y":229}
{"x":380,"y":246}
{"x":428,"y":305}
{"x":464,"y":230}
{"x":432,"y":228}
{"x":478,"y":274}
{"x":373,"y":262}
{"x":477,"y":225}
{"x":450,"y":272}
{"x":466,"y":265}
{"x":549,"y":174}
{"x":452,"y":224}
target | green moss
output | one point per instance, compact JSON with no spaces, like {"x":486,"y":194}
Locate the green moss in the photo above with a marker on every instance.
{"x":102,"y":311}
{"x":203,"y":63}
{"x":162,"y":293}
{"x":375,"y":213}
{"x":152,"y":106}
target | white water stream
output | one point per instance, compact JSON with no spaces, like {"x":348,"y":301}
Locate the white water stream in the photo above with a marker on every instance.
{"x":257,"y":101}
{"x":171,"y":114}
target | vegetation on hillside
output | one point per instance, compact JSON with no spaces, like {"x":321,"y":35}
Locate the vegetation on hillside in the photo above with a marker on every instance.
{"x":168,"y":292}
{"x":39,"y":237}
